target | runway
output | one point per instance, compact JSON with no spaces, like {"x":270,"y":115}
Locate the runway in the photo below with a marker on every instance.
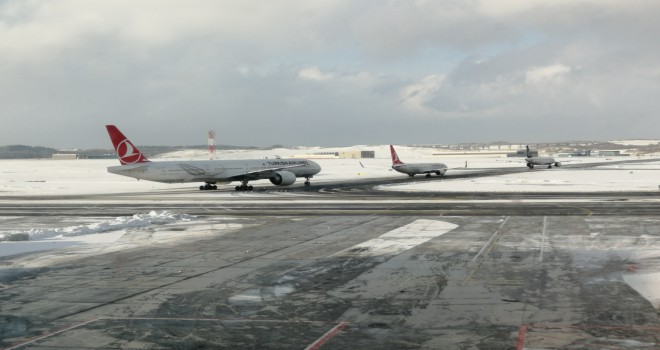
{"x":342,"y":266}
{"x":352,"y":198}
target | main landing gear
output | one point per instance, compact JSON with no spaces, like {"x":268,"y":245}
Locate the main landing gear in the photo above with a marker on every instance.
{"x":428,"y":174}
{"x":437,"y":173}
{"x":244,"y":187}
{"x":530,"y":166}
{"x":208,"y":186}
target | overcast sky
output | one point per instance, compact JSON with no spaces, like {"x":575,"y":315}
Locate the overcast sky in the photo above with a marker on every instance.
{"x":328,"y":73}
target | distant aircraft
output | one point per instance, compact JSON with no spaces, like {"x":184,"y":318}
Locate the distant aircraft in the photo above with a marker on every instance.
{"x":281,"y":172}
{"x":416,"y":168}
{"x":531,"y":161}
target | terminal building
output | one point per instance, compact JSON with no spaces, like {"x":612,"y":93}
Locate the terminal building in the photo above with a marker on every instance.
{"x":357,"y":154}
{"x":523,"y":153}
{"x":64,"y":156}
{"x":612,"y":153}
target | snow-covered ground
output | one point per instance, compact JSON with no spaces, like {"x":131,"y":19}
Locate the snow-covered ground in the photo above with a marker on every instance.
{"x":102,"y":235}
{"x":636,"y":142}
{"x":627,"y":177}
{"x":72,"y":177}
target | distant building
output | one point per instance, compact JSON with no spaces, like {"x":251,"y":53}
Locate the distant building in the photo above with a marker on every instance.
{"x":332,"y":154}
{"x":367,"y":154}
{"x":65,"y":156}
{"x":613,"y":153}
{"x":350,"y":155}
{"x":582,"y":153}
{"x":339,"y":155}
{"x":523,"y":153}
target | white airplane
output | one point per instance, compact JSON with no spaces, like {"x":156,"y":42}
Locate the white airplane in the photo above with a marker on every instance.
{"x":280,"y":172}
{"x":531,"y":161}
{"x":416,"y":168}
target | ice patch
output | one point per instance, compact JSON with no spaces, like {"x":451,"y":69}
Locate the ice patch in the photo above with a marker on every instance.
{"x":120,"y":223}
{"x":14,"y":248}
{"x":260,"y":295}
{"x":647,"y":285}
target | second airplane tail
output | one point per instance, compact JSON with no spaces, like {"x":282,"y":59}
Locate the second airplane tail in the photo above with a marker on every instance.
{"x":395,"y":157}
{"x":126,"y":151}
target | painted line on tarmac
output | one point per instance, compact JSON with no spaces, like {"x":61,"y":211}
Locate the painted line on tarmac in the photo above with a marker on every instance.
{"x":36,"y":339}
{"x":545,"y":221}
{"x":327,"y":336}
{"x":331,"y":333}
{"x":522,"y":331}
{"x":476,"y":261}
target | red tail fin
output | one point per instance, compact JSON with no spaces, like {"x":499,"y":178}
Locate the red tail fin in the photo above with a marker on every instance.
{"x":126,"y":151}
{"x":395,"y":157}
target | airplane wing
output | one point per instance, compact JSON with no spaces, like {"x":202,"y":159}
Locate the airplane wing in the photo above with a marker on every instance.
{"x":439,"y":169}
{"x":275,"y":169}
{"x":261,"y":173}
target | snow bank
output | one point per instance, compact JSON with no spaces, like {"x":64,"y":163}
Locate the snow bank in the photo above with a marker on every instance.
{"x":120,"y":223}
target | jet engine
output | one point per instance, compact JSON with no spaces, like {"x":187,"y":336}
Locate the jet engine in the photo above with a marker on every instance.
{"x":283,"y":178}
{"x":557,"y":163}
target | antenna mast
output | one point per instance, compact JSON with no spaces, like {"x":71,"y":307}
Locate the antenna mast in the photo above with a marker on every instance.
{"x":211,"y":143}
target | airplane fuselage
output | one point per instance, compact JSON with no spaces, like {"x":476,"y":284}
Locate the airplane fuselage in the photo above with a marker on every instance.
{"x":421,"y":168}
{"x":549,"y":161}
{"x":214,"y":171}
{"x":532,"y":161}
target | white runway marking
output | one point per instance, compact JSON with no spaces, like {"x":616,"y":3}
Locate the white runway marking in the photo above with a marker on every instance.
{"x":545,"y":220}
{"x":400,"y":239}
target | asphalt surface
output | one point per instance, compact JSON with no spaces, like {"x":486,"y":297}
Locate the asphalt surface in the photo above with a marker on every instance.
{"x":340,"y":266}
{"x":333,"y":199}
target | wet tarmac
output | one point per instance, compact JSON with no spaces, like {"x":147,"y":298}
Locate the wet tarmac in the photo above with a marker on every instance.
{"x":345,"y":268}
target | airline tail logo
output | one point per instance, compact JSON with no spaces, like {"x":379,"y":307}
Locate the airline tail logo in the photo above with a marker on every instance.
{"x":126,"y":151}
{"x":395,"y":157}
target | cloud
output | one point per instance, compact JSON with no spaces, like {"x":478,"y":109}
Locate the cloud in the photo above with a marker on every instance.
{"x":415,"y":96}
{"x":362,"y":80}
{"x":366,"y":71}
{"x":32,"y":28}
{"x":555,"y":73}
{"x":313,"y":73}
